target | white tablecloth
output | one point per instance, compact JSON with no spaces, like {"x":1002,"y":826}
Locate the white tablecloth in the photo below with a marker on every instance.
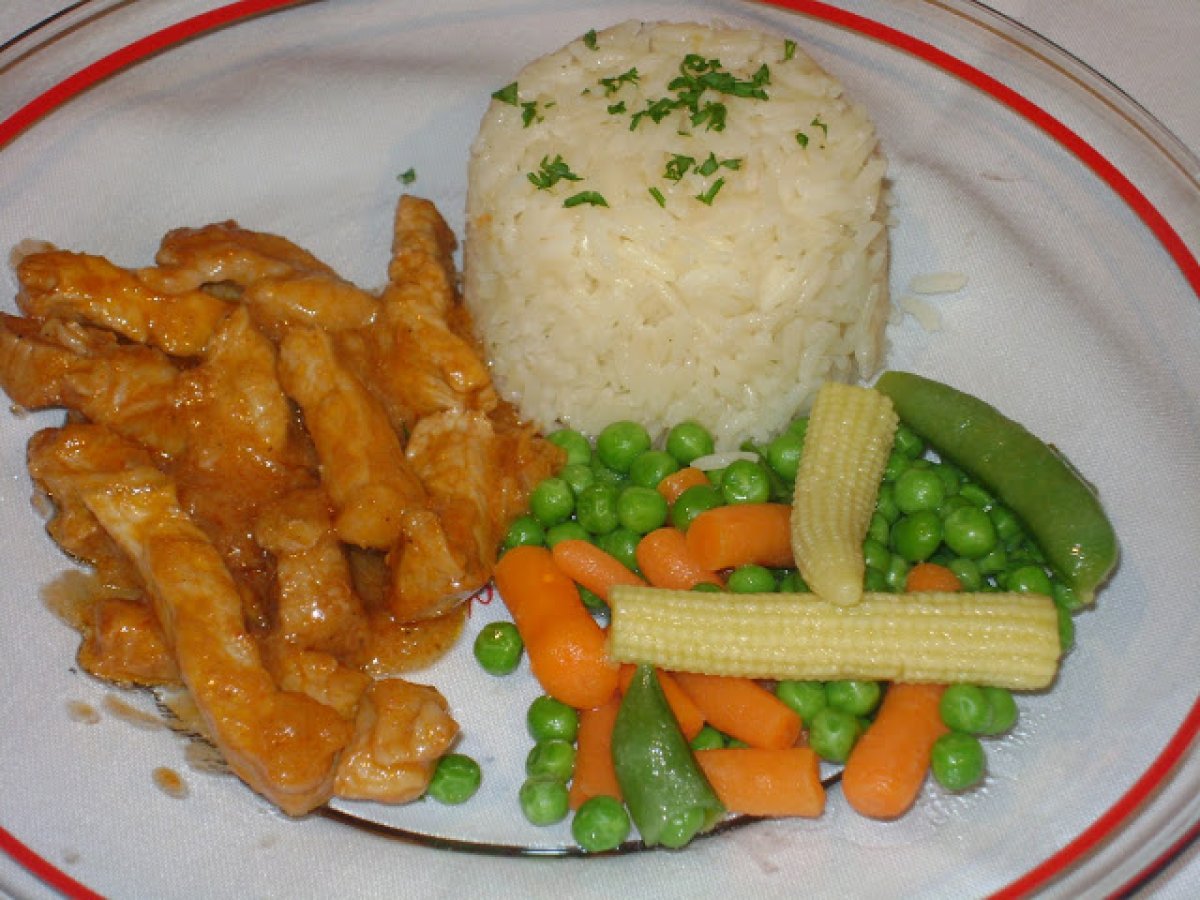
{"x":1147,"y":48}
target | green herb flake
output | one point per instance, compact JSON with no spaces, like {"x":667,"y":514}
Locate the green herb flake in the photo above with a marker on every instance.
{"x":507,"y":94}
{"x":801,"y":138}
{"x":617,"y":108}
{"x":551,"y":172}
{"x":677,"y":166}
{"x":614,"y":84}
{"x":591,"y":198}
{"x":817,"y":123}
{"x":589,"y":39}
{"x":658,"y":197}
{"x":529,"y":113}
{"x":789,"y":50}
{"x":408,"y":176}
{"x":711,"y":115}
{"x":708,"y":196}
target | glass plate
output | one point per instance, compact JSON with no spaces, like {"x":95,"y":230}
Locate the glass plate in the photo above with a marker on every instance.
{"x":1074,"y":216}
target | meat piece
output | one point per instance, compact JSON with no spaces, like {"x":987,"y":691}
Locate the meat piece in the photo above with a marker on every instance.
{"x":80,"y":287}
{"x":401,"y":731}
{"x":123,"y":643}
{"x":225,"y":252}
{"x":319,"y":301}
{"x":318,"y":675}
{"x":394,"y":647}
{"x":362,"y":461}
{"x":284,"y":745}
{"x":131,"y":388}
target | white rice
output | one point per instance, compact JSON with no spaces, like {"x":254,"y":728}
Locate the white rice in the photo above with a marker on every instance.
{"x":730,"y":313}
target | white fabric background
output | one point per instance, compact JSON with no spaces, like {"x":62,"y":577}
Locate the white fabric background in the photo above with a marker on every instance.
{"x":1148,"y":48}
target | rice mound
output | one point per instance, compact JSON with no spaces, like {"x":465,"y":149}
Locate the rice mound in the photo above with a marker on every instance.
{"x":682,"y":298}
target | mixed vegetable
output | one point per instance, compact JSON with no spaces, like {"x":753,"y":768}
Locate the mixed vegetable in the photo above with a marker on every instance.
{"x":662,"y":597}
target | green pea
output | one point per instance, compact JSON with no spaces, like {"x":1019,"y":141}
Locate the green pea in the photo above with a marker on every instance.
{"x":874,"y":580}
{"x":957,"y":761}
{"x":832,"y":734}
{"x":783,"y":455}
{"x":544,"y":799}
{"x":600,"y":824}
{"x":652,"y":467}
{"x":876,"y":554}
{"x":885,"y":502}
{"x":859,"y":698}
{"x":1029,"y":580}
{"x":578,"y":476}
{"x":524,"y":530}
{"x":578,"y":448}
{"x":751,"y":579}
{"x":498,"y":648}
{"x":604,"y":475}
{"x":620,"y":443}
{"x":879,"y":529}
{"x":994,"y":562}
{"x":965,"y":707}
{"x":918,"y":489}
{"x":798,"y":427}
{"x":806,"y":698}
{"x":908,"y":442}
{"x":455,"y":779}
{"x":688,"y":441}
{"x":1003,"y":709}
{"x":621,"y":543}
{"x":692,"y":502}
{"x":566,"y":531}
{"x":554,"y":757}
{"x":969,"y":532}
{"x":897,"y":464}
{"x":977,"y":496}
{"x":952,"y":477}
{"x":596,"y":508}
{"x":745,"y":481}
{"x":708,"y":738}
{"x":1008,"y":526}
{"x":792,"y":583}
{"x":967,"y":572}
{"x":552,"y":501}
{"x":641,"y":509}
{"x":896,"y":574}
{"x":915,"y":537}
{"x":548,"y":718}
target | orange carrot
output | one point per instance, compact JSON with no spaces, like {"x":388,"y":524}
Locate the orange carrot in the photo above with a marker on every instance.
{"x":888,"y":764}
{"x":929,"y":576}
{"x":594,"y":771}
{"x":687,"y":713}
{"x":760,"y":782}
{"x":680,"y":480}
{"x":588,"y":565}
{"x":666,"y":562}
{"x":742,"y":708}
{"x":742,"y":533}
{"x":564,"y":644}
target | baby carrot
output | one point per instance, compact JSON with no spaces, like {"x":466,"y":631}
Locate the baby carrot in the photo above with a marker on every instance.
{"x":760,"y":782}
{"x":594,"y":772}
{"x":741,"y":534}
{"x":588,"y":565}
{"x":564,"y":644}
{"x":679,"y":481}
{"x":743,"y":709}
{"x":665,"y":560}
{"x":687,"y":713}
{"x":930,"y":576}
{"x":888,"y":764}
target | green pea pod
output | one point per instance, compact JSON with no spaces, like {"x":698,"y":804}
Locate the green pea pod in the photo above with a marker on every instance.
{"x":1060,"y":509}
{"x":668,"y":796}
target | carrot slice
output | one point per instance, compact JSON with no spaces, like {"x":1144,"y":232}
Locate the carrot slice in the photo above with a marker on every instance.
{"x":588,"y":565}
{"x":666,"y":562}
{"x":760,"y":782}
{"x":680,"y":480}
{"x":743,"y":709}
{"x":930,"y":576}
{"x":564,"y":644}
{"x":888,"y":764}
{"x":595,"y":774}
{"x":742,"y":534}
{"x":687,"y":713}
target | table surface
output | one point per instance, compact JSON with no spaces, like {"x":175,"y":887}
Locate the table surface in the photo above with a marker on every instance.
{"x":1148,"y":49}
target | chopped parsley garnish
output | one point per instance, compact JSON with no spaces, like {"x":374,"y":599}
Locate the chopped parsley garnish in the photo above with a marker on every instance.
{"x":507,"y":94}
{"x":551,"y":172}
{"x":591,"y":198}
{"x":408,"y":176}
{"x":656,"y":110}
{"x":710,"y":165}
{"x":697,"y":76}
{"x":817,"y":123}
{"x":617,"y":108}
{"x":529,"y":113}
{"x":612,"y":85}
{"x":677,"y":166}
{"x":589,"y":39}
{"x":801,"y":138}
{"x":789,"y":50}
{"x":708,"y":196}
{"x":658,"y":197}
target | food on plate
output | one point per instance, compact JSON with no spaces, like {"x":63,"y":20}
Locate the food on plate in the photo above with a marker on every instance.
{"x":285,"y":487}
{"x":675,"y":221}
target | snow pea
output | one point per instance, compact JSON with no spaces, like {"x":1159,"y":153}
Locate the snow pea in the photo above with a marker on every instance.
{"x":1060,"y":510}
{"x":664,"y":788}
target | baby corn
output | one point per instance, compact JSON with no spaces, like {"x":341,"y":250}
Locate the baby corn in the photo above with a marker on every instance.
{"x":1002,"y":639}
{"x":846,"y":449}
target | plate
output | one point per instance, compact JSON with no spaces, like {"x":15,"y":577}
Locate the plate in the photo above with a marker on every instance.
{"x":1072,"y":214}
